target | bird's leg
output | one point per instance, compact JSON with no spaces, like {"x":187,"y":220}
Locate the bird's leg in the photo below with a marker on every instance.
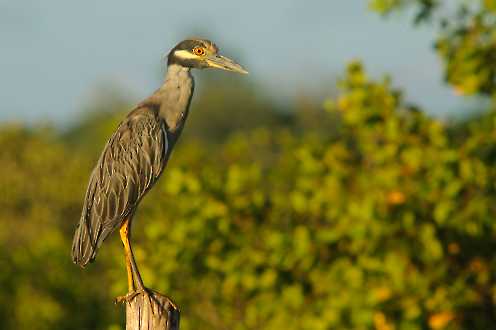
{"x":133,"y":274}
{"x":124,"y":232}
{"x":139,"y":282}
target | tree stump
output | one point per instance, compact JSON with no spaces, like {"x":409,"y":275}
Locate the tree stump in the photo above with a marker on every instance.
{"x":151,"y":311}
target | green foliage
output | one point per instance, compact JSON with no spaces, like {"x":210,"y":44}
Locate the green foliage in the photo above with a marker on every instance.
{"x":385,"y":222}
{"x":466,"y":42}
{"x":369,"y":215}
{"x":425,"y":7}
{"x":40,"y":194}
{"x":468,"y":47}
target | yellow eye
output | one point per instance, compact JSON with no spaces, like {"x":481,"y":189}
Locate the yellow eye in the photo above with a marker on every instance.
{"x":200,"y":51}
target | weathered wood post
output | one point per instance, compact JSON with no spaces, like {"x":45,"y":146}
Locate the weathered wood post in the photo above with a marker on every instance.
{"x":151,"y":312}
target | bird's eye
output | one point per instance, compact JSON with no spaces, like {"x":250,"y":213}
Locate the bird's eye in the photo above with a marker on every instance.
{"x":200,"y":51}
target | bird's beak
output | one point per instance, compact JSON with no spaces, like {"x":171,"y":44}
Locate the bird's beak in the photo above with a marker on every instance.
{"x":224,"y":63}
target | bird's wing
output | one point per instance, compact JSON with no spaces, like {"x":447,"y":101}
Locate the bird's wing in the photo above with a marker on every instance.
{"x":131,"y":162}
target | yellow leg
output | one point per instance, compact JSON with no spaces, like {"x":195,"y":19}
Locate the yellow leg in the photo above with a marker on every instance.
{"x":124,"y":232}
{"x":134,"y":280}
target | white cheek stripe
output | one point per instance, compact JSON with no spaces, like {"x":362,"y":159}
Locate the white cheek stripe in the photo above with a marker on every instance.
{"x":185,"y":55}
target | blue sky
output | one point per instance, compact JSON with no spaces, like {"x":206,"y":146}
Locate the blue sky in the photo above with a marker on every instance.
{"x":56,"y":54}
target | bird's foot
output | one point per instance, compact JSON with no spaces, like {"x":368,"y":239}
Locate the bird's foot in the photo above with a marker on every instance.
{"x":131,"y":295}
{"x":126,"y":298}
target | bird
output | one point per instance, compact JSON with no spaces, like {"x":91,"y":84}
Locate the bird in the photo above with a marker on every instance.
{"x":137,"y":153}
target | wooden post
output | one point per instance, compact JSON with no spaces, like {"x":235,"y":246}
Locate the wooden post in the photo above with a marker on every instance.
{"x":152,"y":311}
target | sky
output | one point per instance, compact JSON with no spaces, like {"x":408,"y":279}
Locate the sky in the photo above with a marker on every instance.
{"x":55,"y":55}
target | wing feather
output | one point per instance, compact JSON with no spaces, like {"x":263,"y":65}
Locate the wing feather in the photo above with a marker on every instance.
{"x":130,"y":164}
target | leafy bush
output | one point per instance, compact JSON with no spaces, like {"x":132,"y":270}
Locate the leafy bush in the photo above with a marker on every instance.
{"x":370,"y":215}
{"x":466,"y":42}
{"x":384,"y":222}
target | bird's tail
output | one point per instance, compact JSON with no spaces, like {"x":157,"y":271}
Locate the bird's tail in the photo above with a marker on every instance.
{"x":83,"y":248}
{"x":86,"y":239}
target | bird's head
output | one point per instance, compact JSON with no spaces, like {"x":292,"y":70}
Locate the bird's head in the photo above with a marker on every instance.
{"x":201,"y":54}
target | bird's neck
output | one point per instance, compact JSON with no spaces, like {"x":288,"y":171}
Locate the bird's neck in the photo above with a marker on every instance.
{"x":175,"y":96}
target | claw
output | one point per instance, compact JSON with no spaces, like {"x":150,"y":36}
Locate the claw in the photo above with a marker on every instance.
{"x":131,"y":295}
{"x":127,"y":298}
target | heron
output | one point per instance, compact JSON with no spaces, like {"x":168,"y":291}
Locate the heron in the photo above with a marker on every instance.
{"x":137,"y":153}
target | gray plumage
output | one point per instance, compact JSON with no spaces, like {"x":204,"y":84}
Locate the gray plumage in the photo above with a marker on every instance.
{"x":131,"y":162}
{"x":137,"y":153}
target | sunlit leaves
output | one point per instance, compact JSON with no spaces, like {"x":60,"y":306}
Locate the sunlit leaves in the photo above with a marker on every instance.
{"x":385,"y":221}
{"x":466,"y":42}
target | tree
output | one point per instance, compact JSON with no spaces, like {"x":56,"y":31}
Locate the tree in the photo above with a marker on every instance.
{"x":466,"y":42}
